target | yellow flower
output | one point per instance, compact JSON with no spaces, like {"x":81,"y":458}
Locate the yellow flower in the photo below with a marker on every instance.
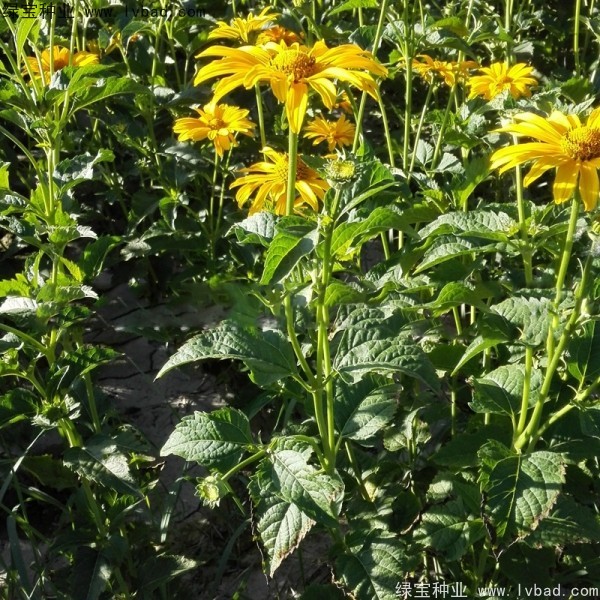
{"x":242,"y":29}
{"x":278,"y":34}
{"x":451,"y":72}
{"x":499,"y":77}
{"x":60,"y":58}
{"x":219,"y":123}
{"x":562,"y":142}
{"x":336,"y":133}
{"x":267,"y":182}
{"x":291,"y":71}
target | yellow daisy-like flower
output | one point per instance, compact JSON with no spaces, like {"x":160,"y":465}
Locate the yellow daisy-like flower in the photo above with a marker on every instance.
{"x":562,"y":142}
{"x":267,"y":182}
{"x":499,"y":77}
{"x":291,"y":71}
{"x":243,"y":29}
{"x":338,"y":133}
{"x":278,"y":34}
{"x":218,"y":123}
{"x":60,"y":59}
{"x":451,"y":72}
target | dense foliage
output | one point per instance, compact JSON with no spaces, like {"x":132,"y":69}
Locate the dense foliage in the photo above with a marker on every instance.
{"x":396,"y":203}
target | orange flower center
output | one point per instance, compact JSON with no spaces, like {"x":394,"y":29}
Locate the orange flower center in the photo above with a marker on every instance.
{"x":216,"y":123}
{"x":293,"y":63}
{"x":581,"y":143}
{"x":282,"y":167}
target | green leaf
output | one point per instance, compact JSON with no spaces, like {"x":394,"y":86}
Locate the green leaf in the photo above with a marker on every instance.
{"x":361,"y":411}
{"x":101,"y":461}
{"x":105,"y":88}
{"x":446,"y":247}
{"x":372,"y":570}
{"x":280,"y":523}
{"x":338,"y":292}
{"x":316,"y":494}
{"x":477,"y":170}
{"x":25,"y":27}
{"x":583,"y":352}
{"x":501,"y":390}
{"x":520,"y":489}
{"x":354,"y":4}
{"x":267,"y":353}
{"x":91,"y":573}
{"x":399,"y":354}
{"x":256,"y":229}
{"x":447,"y":529}
{"x":456,"y":293}
{"x":71,"y":171}
{"x":158,"y":570}
{"x":531,"y":316}
{"x":217,"y":439}
{"x":482,"y":224}
{"x":285,"y":250}
{"x":349,"y":236}
{"x":461,"y":451}
{"x":569,"y":523}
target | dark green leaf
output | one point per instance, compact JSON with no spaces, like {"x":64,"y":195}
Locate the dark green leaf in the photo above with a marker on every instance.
{"x":217,"y":439}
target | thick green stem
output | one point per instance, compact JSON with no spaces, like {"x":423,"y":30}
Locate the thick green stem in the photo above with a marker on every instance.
{"x":526,"y":393}
{"x":443,"y":126}
{"x":292,"y":167}
{"x":576,"y":38}
{"x":527,"y":251}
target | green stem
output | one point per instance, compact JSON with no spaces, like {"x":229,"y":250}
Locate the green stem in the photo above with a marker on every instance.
{"x":363,"y":100}
{"x":291,"y":331}
{"x":292,"y":167}
{"x":443,"y":126}
{"x":386,"y":128}
{"x":408,"y":58}
{"x":242,"y":465}
{"x":261,"y":116}
{"x":357,"y":472}
{"x":531,"y":434}
{"x":527,"y":251}
{"x":576,"y":38}
{"x":562,"y":272}
{"x":526,"y":393}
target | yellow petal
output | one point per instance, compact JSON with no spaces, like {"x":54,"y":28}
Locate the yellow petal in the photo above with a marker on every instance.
{"x":564,"y":184}
{"x":588,"y":186}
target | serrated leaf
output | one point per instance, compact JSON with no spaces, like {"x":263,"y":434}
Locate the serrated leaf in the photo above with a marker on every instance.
{"x":267,"y":353}
{"x":520,"y":489}
{"x":483,"y":224}
{"x":372,"y":571}
{"x":217,"y":439}
{"x":456,"y":293}
{"x":285,"y":250}
{"x":500,"y":391}
{"x":256,"y":229}
{"x":446,"y":247}
{"x":280,"y":523}
{"x":19,"y":306}
{"x":447,"y":529}
{"x":105,"y":88}
{"x":316,"y":494}
{"x":583,"y":353}
{"x":338,"y":292}
{"x":361,"y":411}
{"x":569,"y":522}
{"x":101,"y":461}
{"x":352,"y":234}
{"x":398,"y":354}
{"x":531,"y":316}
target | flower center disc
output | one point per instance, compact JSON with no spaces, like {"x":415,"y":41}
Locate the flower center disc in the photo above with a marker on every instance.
{"x":294,"y":63}
{"x":282,"y":166}
{"x":582,"y":143}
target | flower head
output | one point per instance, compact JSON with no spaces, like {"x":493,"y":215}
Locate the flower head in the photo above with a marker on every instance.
{"x":451,"y":72}
{"x":291,"y":71}
{"x":561,"y":142}
{"x":267,"y":182}
{"x":499,"y":77}
{"x":243,"y":29}
{"x":278,"y":34}
{"x":336,"y":133}
{"x":60,"y":58}
{"x":217,"y":122}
